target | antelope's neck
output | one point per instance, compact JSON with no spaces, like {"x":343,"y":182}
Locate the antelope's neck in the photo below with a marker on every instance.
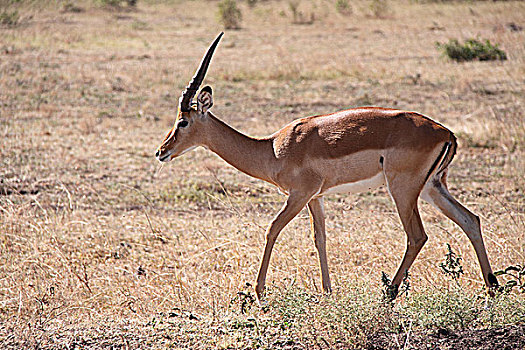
{"x":250,"y":155}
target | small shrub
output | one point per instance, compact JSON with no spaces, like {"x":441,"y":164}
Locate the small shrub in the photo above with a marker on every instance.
{"x":118,"y":3}
{"x":472,"y":50}
{"x":252,"y":3}
{"x":229,"y":14}
{"x":516,"y":278}
{"x":452,"y":266}
{"x":71,"y":8}
{"x":343,"y":7}
{"x":113,"y":3}
{"x":294,"y":7}
{"x":298,"y":16}
{"x":380,"y":8}
{"x":390,"y":292}
{"x":244,"y":299}
{"x":9,"y":18}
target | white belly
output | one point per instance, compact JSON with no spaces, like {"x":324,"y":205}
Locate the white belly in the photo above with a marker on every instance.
{"x":358,"y":186}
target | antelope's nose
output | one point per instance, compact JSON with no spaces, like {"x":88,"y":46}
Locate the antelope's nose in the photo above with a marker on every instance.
{"x":157,"y":154}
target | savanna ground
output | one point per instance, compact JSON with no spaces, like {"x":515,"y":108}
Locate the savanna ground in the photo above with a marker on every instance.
{"x":100,"y":247}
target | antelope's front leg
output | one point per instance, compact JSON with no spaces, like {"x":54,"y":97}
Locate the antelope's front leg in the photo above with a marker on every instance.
{"x":316,"y":209}
{"x":295,"y":202}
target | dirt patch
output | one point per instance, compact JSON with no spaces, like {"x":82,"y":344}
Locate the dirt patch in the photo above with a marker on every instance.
{"x":504,"y":338}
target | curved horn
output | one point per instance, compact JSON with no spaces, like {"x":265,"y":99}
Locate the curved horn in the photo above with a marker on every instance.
{"x":193,"y":86}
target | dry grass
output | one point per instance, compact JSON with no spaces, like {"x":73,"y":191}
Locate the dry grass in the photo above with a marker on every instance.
{"x":94,"y":236}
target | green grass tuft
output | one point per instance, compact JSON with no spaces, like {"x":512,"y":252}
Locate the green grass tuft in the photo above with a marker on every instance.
{"x":472,"y":50}
{"x":9,"y":18}
{"x":229,"y":14}
{"x":343,"y":7}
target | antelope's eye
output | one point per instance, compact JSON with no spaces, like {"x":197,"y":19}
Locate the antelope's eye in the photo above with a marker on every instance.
{"x":183,"y":124}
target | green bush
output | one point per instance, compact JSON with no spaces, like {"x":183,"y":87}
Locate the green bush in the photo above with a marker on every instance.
{"x":229,"y":14}
{"x":515,"y":276}
{"x":380,"y":8}
{"x":298,"y":16}
{"x":9,"y":18}
{"x":472,"y":50}
{"x":343,"y":7}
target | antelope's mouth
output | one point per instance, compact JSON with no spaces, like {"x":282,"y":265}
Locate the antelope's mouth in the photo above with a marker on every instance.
{"x":164,"y":157}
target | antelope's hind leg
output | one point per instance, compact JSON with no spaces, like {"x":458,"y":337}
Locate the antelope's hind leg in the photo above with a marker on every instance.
{"x":436,"y":193}
{"x":405,"y":198}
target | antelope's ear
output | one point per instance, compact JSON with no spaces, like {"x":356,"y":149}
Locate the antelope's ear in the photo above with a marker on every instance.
{"x":204,"y":100}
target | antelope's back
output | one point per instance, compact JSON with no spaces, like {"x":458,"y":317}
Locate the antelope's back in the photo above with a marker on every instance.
{"x":369,"y":128}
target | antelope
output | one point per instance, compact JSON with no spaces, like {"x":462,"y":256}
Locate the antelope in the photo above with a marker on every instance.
{"x":348,"y":151}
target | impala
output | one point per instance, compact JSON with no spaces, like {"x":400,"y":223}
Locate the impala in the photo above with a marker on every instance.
{"x":348,"y":151}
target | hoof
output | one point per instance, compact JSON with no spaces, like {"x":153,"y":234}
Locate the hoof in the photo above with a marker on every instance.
{"x":493,"y":280}
{"x":493,"y":285}
{"x":259,"y":293}
{"x":262,"y":303}
{"x":390,"y":292}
